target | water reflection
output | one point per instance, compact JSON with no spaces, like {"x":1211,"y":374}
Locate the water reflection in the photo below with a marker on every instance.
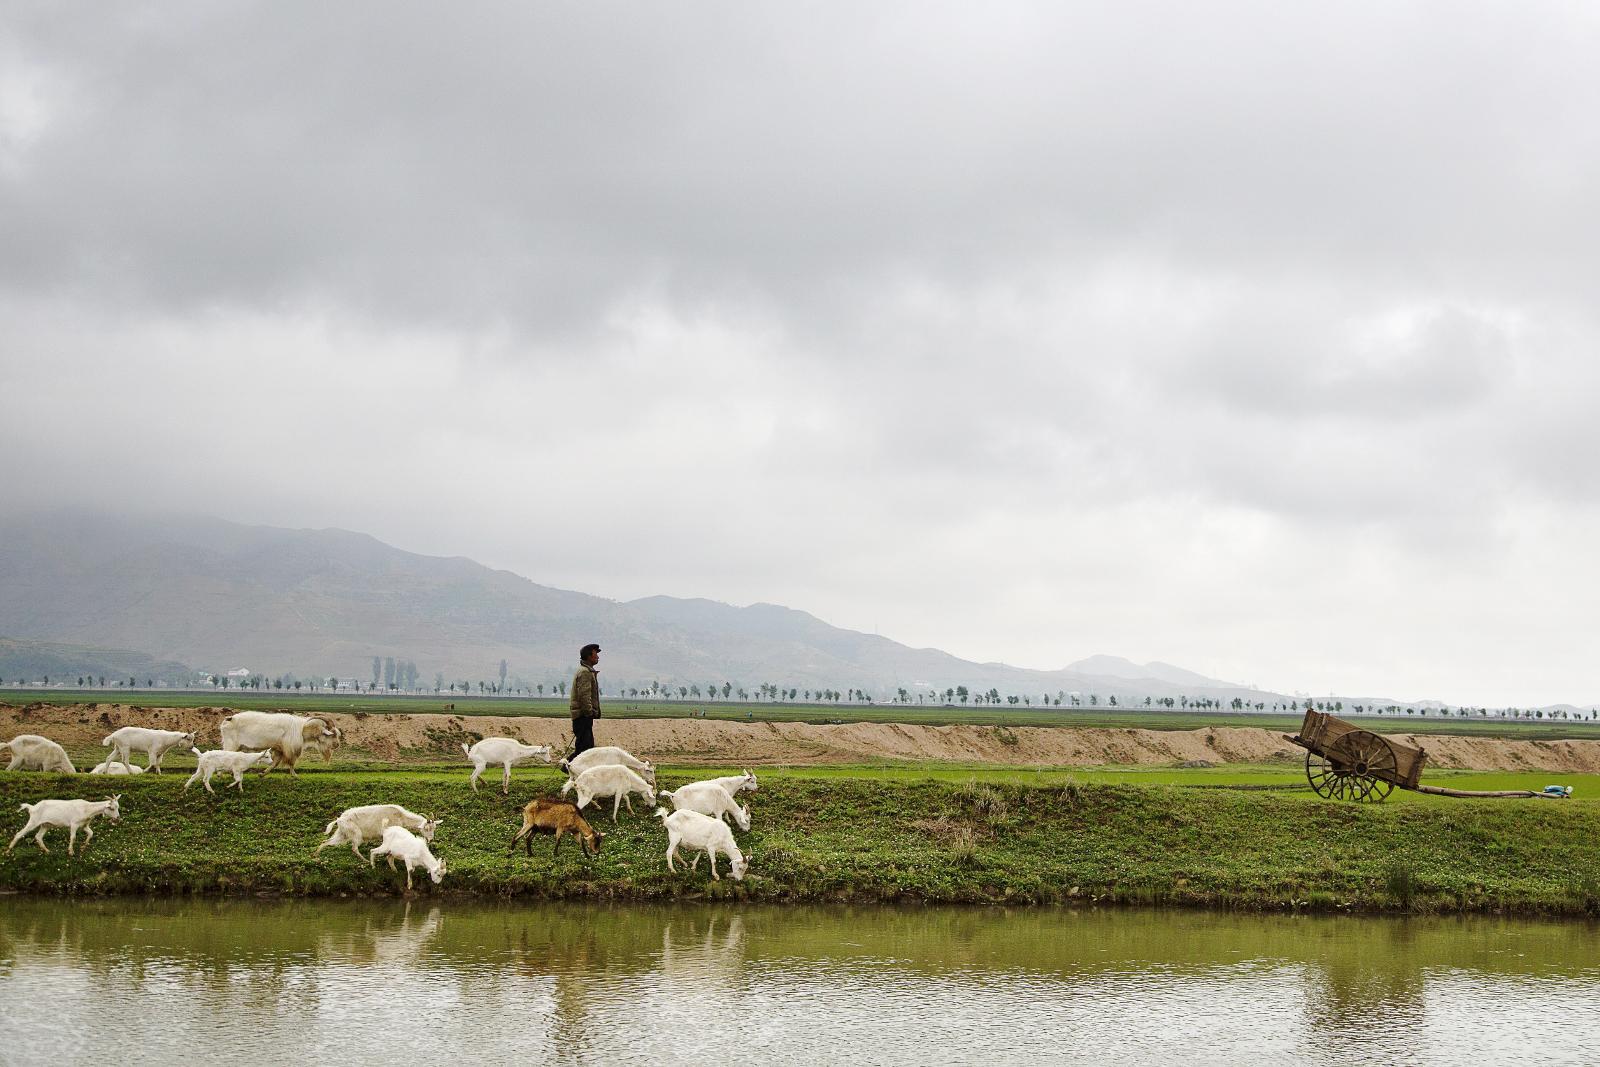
{"x":259,"y":982}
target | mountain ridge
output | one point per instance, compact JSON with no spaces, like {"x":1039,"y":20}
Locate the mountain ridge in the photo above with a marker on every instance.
{"x":214,"y":594}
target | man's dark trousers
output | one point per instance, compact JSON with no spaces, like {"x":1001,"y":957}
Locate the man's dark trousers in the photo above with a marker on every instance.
{"x":582,"y":734}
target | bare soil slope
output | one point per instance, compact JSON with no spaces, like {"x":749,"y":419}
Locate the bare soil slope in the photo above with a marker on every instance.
{"x":431,"y":737}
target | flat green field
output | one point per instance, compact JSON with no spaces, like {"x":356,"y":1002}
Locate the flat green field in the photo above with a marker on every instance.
{"x":945,"y":834}
{"x":1141,"y":718}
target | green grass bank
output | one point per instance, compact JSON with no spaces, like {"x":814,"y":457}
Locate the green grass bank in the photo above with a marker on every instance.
{"x":861,"y":837}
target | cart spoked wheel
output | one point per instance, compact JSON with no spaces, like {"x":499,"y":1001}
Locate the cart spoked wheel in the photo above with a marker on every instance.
{"x":1359,"y":767}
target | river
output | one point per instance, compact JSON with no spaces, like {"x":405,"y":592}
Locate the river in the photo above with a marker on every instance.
{"x":365,"y":982}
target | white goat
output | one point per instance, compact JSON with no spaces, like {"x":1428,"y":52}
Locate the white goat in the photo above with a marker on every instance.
{"x":503,"y":750}
{"x":114,"y":767}
{"x":286,"y":736}
{"x":220,"y":760}
{"x":709,"y":798}
{"x":31,"y":752}
{"x":398,"y":841}
{"x":611,"y":780}
{"x":69,"y":813}
{"x":705,"y":835}
{"x":356,"y":826}
{"x":744,"y":782}
{"x":155,"y":744}
{"x":609,"y":755}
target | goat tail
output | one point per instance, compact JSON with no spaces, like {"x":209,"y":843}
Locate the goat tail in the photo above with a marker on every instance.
{"x":328,"y":829}
{"x":5,"y":744}
{"x":666,"y":794}
{"x":106,"y":740}
{"x":195,"y":750}
{"x":25,"y":807}
{"x":465,"y":749}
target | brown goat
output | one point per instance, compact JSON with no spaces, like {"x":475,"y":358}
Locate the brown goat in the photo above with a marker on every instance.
{"x":548,"y":816}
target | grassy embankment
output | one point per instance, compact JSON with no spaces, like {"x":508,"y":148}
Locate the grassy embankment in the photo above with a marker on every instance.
{"x":307,"y":703}
{"x":865,"y":835}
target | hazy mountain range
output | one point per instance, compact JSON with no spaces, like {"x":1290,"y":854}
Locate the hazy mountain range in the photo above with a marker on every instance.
{"x":215,"y":596}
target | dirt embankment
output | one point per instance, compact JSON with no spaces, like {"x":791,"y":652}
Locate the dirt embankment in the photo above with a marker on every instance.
{"x":80,"y":726}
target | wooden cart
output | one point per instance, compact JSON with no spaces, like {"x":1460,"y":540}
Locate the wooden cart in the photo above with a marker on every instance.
{"x":1345,"y":762}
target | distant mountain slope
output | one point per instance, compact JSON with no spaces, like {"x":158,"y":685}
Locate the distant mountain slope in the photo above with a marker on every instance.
{"x":317,"y":602}
{"x":36,"y":660}
{"x":1117,"y":667}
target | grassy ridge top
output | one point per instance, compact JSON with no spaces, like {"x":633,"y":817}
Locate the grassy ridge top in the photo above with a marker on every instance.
{"x":1127,"y":718}
{"x":834,"y":837}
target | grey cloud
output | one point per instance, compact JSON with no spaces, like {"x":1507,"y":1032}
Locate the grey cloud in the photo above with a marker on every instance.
{"x":534,"y":162}
{"x":1297,"y":358}
{"x":936,"y":316}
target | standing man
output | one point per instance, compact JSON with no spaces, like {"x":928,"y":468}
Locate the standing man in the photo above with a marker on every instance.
{"x":585,"y":703}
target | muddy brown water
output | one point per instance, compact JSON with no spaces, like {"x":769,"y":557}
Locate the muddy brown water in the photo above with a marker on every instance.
{"x":248,"y":982}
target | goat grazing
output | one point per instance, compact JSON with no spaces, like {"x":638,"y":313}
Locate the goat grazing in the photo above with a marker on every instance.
{"x":612,"y":780}
{"x":356,"y":826}
{"x":69,"y":813}
{"x":709,"y":798}
{"x":609,"y":755}
{"x":398,"y":841}
{"x":113,"y":767}
{"x":155,"y":744}
{"x":505,"y":751}
{"x":218,"y":760}
{"x":705,"y":835}
{"x":30,"y":752}
{"x":546,"y":816}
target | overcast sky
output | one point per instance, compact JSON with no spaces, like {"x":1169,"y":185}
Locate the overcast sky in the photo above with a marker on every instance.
{"x":1257,"y":338}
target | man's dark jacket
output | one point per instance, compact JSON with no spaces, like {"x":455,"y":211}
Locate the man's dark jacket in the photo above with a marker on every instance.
{"x":585,"y":702}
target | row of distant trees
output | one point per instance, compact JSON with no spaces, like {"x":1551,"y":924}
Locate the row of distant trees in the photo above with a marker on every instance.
{"x":87,"y":681}
{"x":401,"y":676}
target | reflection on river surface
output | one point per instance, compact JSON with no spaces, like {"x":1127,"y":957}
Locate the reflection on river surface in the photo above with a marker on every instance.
{"x":370,"y":982}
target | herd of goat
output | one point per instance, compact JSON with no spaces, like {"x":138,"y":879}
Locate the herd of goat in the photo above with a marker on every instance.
{"x":694,"y":820}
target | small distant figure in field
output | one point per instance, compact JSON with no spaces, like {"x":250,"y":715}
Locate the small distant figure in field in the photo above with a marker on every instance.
{"x":585,"y":702}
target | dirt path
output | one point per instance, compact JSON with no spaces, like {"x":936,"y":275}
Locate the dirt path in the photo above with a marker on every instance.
{"x":416,"y":737}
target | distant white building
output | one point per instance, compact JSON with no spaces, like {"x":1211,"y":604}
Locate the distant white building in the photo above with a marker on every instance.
{"x":239,"y":672}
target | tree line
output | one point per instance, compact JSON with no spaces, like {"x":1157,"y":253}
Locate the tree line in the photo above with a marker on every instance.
{"x":402,"y":675}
